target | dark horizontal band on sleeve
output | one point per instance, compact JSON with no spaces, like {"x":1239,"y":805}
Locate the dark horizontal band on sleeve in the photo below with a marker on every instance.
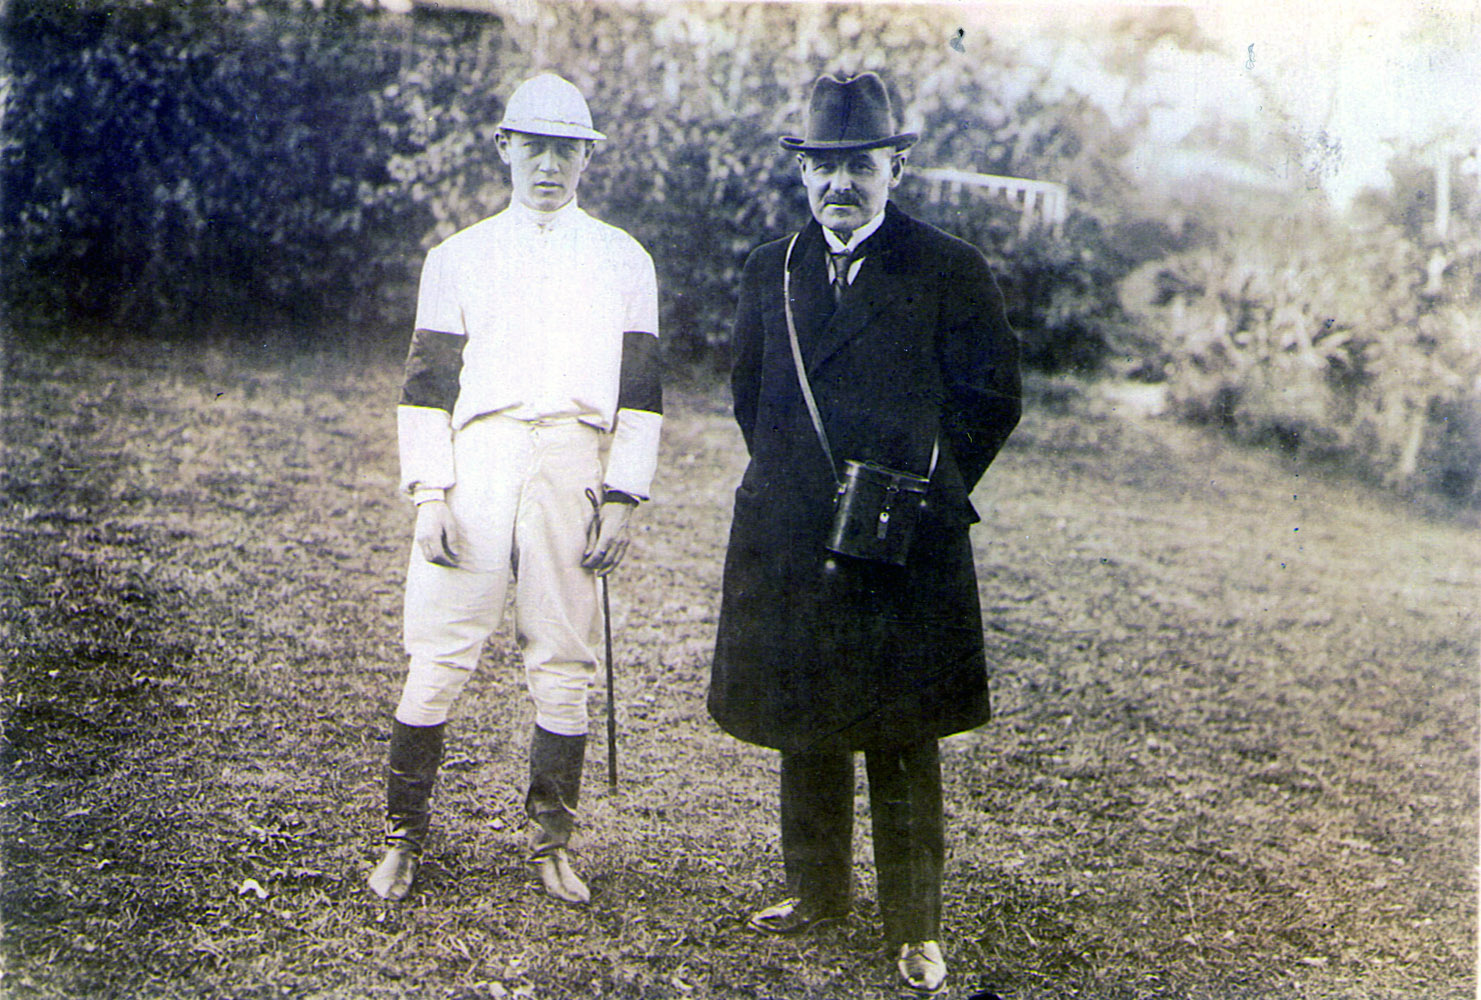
{"x":641,"y":387}
{"x":433,"y":368}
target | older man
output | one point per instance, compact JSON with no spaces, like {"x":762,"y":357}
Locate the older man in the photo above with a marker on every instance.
{"x":536,"y":338}
{"x":868,"y":336}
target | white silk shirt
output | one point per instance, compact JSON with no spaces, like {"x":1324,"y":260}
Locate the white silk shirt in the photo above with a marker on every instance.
{"x":536,"y":312}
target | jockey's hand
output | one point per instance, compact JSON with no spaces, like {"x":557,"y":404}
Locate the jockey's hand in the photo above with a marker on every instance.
{"x":606,"y":538}
{"x":437,"y":536}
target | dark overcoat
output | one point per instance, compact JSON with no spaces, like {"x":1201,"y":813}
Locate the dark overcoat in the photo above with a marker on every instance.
{"x":820,"y":651}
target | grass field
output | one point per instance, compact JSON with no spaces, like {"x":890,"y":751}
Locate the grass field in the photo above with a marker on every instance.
{"x":1235,"y":754}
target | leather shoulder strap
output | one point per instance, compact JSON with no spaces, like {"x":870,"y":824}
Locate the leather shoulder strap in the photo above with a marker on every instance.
{"x":807,"y":396}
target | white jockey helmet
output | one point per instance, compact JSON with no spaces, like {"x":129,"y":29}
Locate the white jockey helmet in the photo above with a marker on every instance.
{"x":549,"y":105}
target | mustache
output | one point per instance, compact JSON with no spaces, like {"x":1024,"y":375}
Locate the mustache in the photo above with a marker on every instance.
{"x":842,"y":199}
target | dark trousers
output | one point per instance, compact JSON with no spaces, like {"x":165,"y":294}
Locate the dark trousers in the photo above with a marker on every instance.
{"x":909,"y":839}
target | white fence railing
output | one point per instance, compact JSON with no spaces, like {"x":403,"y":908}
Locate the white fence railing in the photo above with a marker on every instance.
{"x":1046,"y":202}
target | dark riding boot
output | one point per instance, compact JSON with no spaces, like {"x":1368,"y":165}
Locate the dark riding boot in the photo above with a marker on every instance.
{"x":411,"y":770}
{"x":555,"y":790}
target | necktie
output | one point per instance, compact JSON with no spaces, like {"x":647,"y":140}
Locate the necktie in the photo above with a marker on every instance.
{"x":841,"y":264}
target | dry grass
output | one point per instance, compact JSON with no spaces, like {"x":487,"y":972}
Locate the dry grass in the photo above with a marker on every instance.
{"x":1236,"y":754}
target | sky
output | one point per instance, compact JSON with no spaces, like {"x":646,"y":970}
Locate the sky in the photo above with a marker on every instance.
{"x":1365,"y":78}
{"x":1329,"y":90}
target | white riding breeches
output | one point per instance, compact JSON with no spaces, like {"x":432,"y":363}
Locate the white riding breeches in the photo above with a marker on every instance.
{"x":521,"y":505}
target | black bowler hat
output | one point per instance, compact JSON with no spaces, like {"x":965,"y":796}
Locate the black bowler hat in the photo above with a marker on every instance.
{"x":850,"y":114}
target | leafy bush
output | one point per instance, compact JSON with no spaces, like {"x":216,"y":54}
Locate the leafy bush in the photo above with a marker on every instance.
{"x":1331,"y":342}
{"x":191,"y":167}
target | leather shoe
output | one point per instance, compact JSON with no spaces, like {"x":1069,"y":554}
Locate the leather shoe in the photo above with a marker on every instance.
{"x":558,"y":877}
{"x":790,"y":916}
{"x":392,"y":878}
{"x":922,"y":967}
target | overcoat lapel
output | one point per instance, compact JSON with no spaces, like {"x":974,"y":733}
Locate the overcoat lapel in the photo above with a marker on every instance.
{"x":880,"y":281}
{"x":812,"y":296}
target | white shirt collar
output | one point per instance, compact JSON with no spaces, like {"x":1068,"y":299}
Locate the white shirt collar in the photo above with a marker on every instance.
{"x":858,"y":236}
{"x":544,"y":221}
